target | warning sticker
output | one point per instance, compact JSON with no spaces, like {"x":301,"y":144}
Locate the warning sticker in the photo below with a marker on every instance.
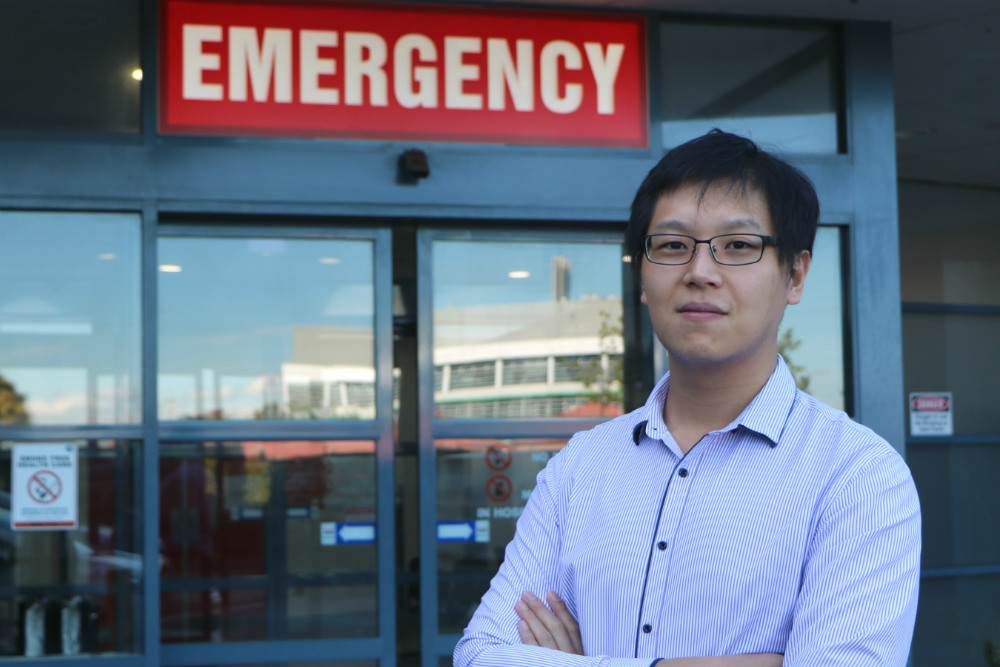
{"x":931,"y":414}
{"x":44,"y":487}
{"x":498,"y":488}
{"x":498,"y":457}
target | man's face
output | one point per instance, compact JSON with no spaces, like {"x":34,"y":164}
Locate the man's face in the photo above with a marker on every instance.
{"x":705,"y":313}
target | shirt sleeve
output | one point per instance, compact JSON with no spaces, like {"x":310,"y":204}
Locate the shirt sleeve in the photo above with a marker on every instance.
{"x":858,"y":600}
{"x":530,"y":563}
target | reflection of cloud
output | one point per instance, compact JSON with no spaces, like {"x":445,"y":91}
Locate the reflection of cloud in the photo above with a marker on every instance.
{"x":351,"y":300}
{"x":30,"y":306}
{"x":59,"y":410}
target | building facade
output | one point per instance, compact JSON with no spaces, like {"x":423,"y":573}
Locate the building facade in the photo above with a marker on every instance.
{"x":299,"y":297}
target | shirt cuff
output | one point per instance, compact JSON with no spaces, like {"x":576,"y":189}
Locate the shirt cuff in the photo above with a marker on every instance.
{"x":629,"y":662}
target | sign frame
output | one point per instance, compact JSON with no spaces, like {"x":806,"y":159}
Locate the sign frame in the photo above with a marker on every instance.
{"x":626,"y":126}
{"x":44,"y":486}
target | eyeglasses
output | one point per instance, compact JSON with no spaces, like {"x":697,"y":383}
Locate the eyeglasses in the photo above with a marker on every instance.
{"x":727,"y":249}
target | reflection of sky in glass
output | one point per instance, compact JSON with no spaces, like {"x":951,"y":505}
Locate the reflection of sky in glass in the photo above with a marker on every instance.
{"x":478,"y":273}
{"x":69,"y":332}
{"x":818,"y":321}
{"x":235,"y":302}
{"x":236,"y":314}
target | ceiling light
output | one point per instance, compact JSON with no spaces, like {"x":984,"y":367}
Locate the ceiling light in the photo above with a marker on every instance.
{"x":329,"y":260}
{"x":170,"y":268}
{"x":519,"y":274}
{"x":137,"y":74}
{"x":107,"y":256}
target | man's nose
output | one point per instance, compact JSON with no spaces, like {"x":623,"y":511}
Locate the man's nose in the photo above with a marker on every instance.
{"x":702,"y":269}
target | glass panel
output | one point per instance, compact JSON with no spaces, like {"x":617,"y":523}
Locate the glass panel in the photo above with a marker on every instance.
{"x":948,"y":244}
{"x":775,"y":84}
{"x":266,"y":329}
{"x":75,"y":590}
{"x":957,"y":622}
{"x":505,"y":311}
{"x":70,"y":333}
{"x":961,"y":503}
{"x":811,"y":338}
{"x":268,"y":540}
{"x":958,"y":354}
{"x":483,"y":486}
{"x":71,"y":65}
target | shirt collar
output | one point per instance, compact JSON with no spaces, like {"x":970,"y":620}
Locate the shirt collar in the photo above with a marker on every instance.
{"x":766,"y":415}
{"x":768,"y":412}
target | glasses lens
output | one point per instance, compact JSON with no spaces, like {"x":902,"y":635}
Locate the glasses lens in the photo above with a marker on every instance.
{"x":738,"y":248}
{"x":669,"y":248}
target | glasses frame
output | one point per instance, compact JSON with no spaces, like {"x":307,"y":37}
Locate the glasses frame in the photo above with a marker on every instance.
{"x":765,"y":239}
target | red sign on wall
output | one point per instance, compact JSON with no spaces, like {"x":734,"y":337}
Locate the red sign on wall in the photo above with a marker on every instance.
{"x":403,"y":72}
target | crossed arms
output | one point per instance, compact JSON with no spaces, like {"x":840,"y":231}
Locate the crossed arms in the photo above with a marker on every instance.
{"x":558,"y":630}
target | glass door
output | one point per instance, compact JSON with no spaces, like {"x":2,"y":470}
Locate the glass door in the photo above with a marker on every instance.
{"x":524,"y":340}
{"x":275,"y":410}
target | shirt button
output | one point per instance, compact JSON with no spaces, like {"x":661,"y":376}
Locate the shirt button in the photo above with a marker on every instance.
{"x":661,"y":545}
{"x":647,"y":628}
{"x":683,"y":472}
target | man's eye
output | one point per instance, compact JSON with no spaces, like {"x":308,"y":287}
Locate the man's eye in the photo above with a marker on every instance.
{"x":674,"y":245}
{"x":742,"y":244}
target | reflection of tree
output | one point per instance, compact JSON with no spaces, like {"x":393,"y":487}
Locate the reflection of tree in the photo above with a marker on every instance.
{"x":786,"y":345}
{"x":271,"y":410}
{"x":12,"y":410}
{"x":604,"y":384}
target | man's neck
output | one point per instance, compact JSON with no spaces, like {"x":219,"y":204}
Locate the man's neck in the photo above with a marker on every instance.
{"x":704,"y":398}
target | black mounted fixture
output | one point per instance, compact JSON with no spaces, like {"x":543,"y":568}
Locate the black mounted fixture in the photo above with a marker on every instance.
{"x":413,"y":166}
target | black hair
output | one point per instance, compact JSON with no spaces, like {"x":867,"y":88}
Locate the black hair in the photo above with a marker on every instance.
{"x":722,"y":158}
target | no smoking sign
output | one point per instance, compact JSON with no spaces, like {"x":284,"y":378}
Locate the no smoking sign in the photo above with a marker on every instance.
{"x":44,"y":486}
{"x":498,"y":457}
{"x":499,"y":488}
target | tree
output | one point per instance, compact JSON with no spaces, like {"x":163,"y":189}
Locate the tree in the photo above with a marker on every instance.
{"x":786,"y":345}
{"x":604,"y":385}
{"x":12,"y":410}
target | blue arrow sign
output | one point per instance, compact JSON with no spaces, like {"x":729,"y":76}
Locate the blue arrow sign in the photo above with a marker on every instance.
{"x":348,"y":533}
{"x":463,"y":531}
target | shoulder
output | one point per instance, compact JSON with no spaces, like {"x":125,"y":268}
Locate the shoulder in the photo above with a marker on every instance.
{"x":604,"y":439}
{"x":833,"y":431}
{"x":854,"y":458}
{"x":588,"y":454}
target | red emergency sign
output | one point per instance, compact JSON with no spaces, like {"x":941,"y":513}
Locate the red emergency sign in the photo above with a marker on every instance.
{"x":403,"y":72}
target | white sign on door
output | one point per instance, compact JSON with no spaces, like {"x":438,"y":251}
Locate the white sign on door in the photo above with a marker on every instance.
{"x":930,"y":414}
{"x":44,"y":487}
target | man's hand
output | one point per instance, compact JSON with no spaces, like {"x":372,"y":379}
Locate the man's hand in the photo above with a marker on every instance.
{"x":556,"y":629}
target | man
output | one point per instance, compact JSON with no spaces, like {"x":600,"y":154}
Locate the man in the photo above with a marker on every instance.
{"x":732,"y":520}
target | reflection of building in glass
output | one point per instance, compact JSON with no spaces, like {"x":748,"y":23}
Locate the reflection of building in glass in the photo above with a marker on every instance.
{"x":332,"y":375}
{"x":548,"y":359}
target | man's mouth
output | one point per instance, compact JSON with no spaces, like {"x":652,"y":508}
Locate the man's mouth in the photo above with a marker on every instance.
{"x":697,"y":307}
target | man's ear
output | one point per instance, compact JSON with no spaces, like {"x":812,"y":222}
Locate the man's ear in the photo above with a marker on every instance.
{"x":642,"y":295}
{"x":797,"y":278}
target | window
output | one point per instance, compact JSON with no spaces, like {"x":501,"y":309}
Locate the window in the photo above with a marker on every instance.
{"x":266,"y":328}
{"x":777,"y":85}
{"x":70,"y":333}
{"x":74,"y":66}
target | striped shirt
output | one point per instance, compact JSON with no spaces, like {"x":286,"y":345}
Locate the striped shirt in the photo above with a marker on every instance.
{"x":792,"y":530}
